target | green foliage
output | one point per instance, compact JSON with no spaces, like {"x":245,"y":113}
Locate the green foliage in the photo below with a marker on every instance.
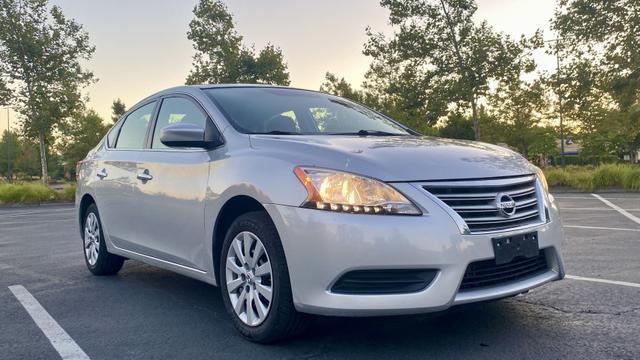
{"x":26,"y":193}
{"x":118,"y":108}
{"x":340,"y":87}
{"x":519,"y":106}
{"x":34,"y":193}
{"x":589,"y":178}
{"x":458,"y":127}
{"x":5,"y":92}
{"x":602,"y":80}
{"x":23,"y":154}
{"x":439,"y":56}
{"x":68,"y":193}
{"x":220,"y":55}
{"x":80,"y":135}
{"x":9,"y":150}
{"x":40,"y":54}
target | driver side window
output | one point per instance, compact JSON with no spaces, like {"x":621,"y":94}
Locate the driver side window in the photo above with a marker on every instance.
{"x":176,"y":110}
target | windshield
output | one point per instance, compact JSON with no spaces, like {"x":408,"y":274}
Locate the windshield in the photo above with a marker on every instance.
{"x":266,"y":110}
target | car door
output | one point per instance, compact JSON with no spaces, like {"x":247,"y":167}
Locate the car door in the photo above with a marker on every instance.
{"x":170,"y":190}
{"x":117,"y":170}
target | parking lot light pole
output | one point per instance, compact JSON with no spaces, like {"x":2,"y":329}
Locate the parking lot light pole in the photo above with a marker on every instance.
{"x":559,"y":94}
{"x":9,"y":167}
{"x":560,"y":111}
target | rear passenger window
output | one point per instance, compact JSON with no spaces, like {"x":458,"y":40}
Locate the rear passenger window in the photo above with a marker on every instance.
{"x":134,"y":129}
{"x":177,"y":110}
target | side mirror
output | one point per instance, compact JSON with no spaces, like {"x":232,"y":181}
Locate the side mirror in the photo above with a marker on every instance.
{"x":190,"y":135}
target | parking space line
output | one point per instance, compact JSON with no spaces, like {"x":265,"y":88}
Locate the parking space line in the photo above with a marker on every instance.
{"x":587,"y":209}
{"x":600,"y":228}
{"x":587,"y":197}
{"x":61,"y":341}
{"x":617,"y":208}
{"x":32,"y":223}
{"x":611,"y":282}
{"x":42,"y":213}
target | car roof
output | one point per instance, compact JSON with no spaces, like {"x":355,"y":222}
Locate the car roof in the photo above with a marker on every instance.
{"x":191,"y":89}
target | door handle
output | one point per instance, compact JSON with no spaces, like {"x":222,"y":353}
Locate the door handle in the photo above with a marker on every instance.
{"x":102,"y":174}
{"x":145,"y":176}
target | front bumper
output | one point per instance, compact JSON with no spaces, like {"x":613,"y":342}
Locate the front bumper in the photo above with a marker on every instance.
{"x":320,"y":246}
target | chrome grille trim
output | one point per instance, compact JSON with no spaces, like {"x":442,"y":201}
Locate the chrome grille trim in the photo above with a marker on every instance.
{"x":473,"y":201}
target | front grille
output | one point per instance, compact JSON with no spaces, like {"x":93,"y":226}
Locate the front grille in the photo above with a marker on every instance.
{"x":475,"y":201}
{"x":486,"y":273}
{"x":387,"y":281}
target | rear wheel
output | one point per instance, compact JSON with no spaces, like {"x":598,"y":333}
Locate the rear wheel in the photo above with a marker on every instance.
{"x":98,"y":259}
{"x":254,"y":281}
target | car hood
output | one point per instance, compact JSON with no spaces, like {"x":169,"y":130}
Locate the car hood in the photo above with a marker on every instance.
{"x":397,"y":158}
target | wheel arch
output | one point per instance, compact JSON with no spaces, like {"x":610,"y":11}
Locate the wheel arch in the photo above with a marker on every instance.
{"x":85,"y":202}
{"x":232,"y":209}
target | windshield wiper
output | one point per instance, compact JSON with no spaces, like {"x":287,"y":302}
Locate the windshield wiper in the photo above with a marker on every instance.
{"x":370,"y":133}
{"x":279,"y":132}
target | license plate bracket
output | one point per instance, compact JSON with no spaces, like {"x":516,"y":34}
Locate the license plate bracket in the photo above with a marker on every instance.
{"x":509,"y":247}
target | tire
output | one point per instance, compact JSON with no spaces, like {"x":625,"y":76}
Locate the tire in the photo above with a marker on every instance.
{"x":281,"y":320}
{"x":99,"y":261}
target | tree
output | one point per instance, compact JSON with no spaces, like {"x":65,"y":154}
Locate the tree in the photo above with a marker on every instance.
{"x":9,"y":149}
{"x":340,"y":87}
{"x":41,"y":52}
{"x":5,"y":92}
{"x":602,"y":40}
{"x":520,"y":106}
{"x":458,"y":127}
{"x":118,"y":108}
{"x":81,"y":135}
{"x":220,"y":55}
{"x":441,"y":56}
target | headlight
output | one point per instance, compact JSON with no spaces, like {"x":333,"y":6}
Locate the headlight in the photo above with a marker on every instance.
{"x":543,"y":179}
{"x":344,"y":192}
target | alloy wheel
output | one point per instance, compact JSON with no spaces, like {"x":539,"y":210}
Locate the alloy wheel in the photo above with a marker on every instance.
{"x":91,"y":238}
{"x":249,"y":278}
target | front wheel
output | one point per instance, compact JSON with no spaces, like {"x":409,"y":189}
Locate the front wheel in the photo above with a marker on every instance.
{"x":98,"y":259}
{"x":254,"y":281}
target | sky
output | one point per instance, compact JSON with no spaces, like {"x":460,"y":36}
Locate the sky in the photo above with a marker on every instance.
{"x":142,"y":46}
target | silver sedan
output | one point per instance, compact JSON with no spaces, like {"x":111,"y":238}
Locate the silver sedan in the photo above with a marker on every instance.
{"x":296,"y":202}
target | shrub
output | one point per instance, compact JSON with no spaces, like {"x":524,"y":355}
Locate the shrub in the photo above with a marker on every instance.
{"x":556,"y":177}
{"x":590,"y":178}
{"x":33,"y":193}
{"x":68,"y":193}
{"x":26,"y":193}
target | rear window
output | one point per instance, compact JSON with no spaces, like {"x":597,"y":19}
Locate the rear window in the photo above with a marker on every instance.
{"x":263,"y":110}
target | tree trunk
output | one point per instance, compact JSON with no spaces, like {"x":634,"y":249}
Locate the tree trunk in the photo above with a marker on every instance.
{"x":43,"y":158}
{"x":474,"y":117}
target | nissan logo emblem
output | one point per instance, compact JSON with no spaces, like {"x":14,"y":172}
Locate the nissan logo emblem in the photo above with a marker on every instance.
{"x":505,"y":204}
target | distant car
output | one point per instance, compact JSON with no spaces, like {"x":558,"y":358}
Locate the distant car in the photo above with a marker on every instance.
{"x":297,"y":202}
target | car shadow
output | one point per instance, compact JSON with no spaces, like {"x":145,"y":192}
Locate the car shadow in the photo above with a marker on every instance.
{"x":200,"y":325}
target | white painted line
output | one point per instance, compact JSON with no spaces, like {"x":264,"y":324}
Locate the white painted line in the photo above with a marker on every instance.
{"x":612,"y":282}
{"x":587,"y":209}
{"x":61,"y":341}
{"x":40,"y":213}
{"x":590,"y":198}
{"x":34,"y":222}
{"x":617,"y":208}
{"x":600,"y":228}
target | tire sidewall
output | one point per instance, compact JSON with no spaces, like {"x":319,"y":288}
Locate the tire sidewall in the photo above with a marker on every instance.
{"x":102,"y":249}
{"x":266,"y":232}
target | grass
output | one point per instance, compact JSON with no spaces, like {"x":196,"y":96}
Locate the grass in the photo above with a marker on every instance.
{"x":34,"y":193}
{"x":592,"y":178}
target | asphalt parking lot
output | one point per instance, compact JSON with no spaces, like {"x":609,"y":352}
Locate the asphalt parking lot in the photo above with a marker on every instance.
{"x":149,"y":313}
